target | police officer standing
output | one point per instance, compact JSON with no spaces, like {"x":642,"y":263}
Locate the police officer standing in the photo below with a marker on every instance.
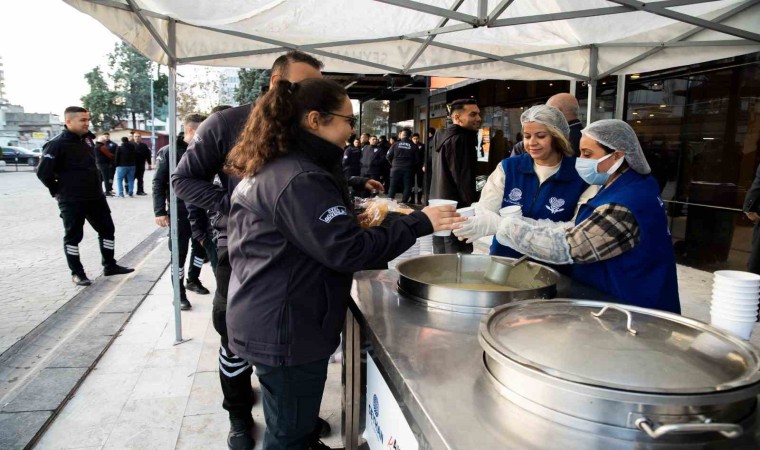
{"x":142,"y":156}
{"x":69,"y":172}
{"x":403,"y":159}
{"x":374,"y":163}
{"x":184,"y":232}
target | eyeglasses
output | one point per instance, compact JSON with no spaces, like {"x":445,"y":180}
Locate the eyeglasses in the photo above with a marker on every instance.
{"x":351,"y":119}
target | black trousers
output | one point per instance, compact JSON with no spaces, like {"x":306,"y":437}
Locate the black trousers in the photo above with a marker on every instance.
{"x":197,"y":253}
{"x":139,"y":173}
{"x":98,"y":214}
{"x":753,"y":265}
{"x":403,"y":177}
{"x":292,"y":396}
{"x":234,"y":372}
{"x":106,"y":174}
{"x":450,"y":244}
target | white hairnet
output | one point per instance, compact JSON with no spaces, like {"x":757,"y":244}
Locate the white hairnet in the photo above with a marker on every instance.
{"x":547,"y":115}
{"x":618,"y":135}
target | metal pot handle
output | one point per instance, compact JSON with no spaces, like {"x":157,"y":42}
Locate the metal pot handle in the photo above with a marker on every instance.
{"x":624,"y":311}
{"x":729,"y":430}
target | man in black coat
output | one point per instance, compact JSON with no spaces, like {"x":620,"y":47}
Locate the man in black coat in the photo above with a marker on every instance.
{"x":403,"y":158}
{"x":161,"y":211}
{"x":752,"y":210}
{"x":194,"y":182}
{"x":375,"y":165}
{"x":454,"y":166}
{"x":69,"y":172}
{"x":142,"y":156}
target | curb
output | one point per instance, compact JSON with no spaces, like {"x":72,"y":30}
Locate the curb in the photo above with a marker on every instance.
{"x":46,"y":367}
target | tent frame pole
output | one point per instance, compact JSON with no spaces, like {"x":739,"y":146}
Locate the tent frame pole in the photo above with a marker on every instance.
{"x":593,"y":77}
{"x":173,"y":226}
{"x":620,"y":98}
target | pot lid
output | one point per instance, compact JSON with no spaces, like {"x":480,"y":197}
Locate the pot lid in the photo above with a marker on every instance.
{"x":660,"y":353}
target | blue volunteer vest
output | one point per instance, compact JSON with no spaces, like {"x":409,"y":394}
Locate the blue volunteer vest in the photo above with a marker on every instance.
{"x":645,"y":275}
{"x":555,"y":199}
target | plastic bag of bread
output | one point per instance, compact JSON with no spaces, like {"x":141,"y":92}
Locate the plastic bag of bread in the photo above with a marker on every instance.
{"x":379,"y":211}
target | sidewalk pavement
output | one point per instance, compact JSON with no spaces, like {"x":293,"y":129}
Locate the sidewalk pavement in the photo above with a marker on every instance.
{"x":147,"y":393}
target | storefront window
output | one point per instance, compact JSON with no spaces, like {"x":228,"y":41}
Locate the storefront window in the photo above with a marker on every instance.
{"x":700,"y":134}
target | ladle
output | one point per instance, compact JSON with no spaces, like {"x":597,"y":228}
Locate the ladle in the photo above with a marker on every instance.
{"x":499,"y":269}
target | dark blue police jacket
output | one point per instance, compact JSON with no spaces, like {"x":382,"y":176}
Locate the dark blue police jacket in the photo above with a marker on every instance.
{"x":645,"y":275}
{"x":555,"y":199}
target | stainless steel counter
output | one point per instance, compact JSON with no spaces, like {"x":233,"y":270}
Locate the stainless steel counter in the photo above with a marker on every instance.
{"x":433,"y":364}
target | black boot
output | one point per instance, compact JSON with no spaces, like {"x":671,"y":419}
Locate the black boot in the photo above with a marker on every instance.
{"x":115,"y":269}
{"x":240,"y":436}
{"x":80,"y":279}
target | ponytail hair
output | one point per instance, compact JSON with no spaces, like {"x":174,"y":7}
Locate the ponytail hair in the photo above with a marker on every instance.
{"x":276,"y":119}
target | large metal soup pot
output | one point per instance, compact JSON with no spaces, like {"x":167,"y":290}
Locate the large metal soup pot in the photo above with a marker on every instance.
{"x":432,"y":280}
{"x":631,"y":372}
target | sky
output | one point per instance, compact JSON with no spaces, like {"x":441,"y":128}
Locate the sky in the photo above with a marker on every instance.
{"x":46,"y":48}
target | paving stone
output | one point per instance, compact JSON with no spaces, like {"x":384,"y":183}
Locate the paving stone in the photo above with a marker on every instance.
{"x":105,"y":324}
{"x":47,"y":391}
{"x":123,"y":303}
{"x":80,"y":351}
{"x":16,"y":429}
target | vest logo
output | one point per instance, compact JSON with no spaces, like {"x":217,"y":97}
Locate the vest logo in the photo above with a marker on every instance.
{"x":515,"y":195}
{"x":376,"y":405}
{"x":332,"y":213}
{"x":555,"y":205}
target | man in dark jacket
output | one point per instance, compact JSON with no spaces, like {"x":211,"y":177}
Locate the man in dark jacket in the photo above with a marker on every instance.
{"x":454,"y":162}
{"x":352,"y":159}
{"x":104,"y":158}
{"x":69,"y":172}
{"x":419,"y":174}
{"x":124,"y":160}
{"x":142,"y":156}
{"x":184,"y":233}
{"x":403,"y":158}
{"x":752,"y":210}
{"x":375,"y":165}
{"x":193,"y":182}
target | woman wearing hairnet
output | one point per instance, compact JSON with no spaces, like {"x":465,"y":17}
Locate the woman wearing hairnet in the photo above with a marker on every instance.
{"x":620,"y":243}
{"x":543,"y":181}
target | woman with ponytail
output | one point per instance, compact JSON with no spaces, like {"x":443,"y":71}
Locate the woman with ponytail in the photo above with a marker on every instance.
{"x":294,"y":244}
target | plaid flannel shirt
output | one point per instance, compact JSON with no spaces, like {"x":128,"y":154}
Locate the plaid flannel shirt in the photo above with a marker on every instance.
{"x":611,"y":230}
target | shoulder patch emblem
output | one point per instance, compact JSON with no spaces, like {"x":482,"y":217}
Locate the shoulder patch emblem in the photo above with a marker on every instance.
{"x":332,"y":213}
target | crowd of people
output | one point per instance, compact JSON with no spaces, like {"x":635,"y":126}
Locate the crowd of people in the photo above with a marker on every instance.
{"x":265,"y":193}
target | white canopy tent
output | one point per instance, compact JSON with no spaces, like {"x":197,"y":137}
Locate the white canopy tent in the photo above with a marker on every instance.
{"x":506,"y":39}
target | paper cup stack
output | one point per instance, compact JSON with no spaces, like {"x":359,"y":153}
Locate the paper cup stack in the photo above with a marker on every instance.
{"x":735,"y":301}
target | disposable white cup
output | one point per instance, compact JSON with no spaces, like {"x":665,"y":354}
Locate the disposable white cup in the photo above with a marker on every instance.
{"x":466,"y":212}
{"x":442,"y":202}
{"x":740,"y":298}
{"x":734,"y":309}
{"x":730,"y":303}
{"x":735,"y":284}
{"x":738,"y":277}
{"x":738,"y":316}
{"x":511,"y":210}
{"x":742,"y":330}
{"x":736,"y":289}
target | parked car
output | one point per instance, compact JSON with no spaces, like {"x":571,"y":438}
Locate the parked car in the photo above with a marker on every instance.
{"x":19,"y":155}
{"x":37,"y":151}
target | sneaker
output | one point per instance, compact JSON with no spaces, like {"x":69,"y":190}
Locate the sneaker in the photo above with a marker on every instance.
{"x":115,"y":269}
{"x":130,"y":195}
{"x":184,"y":304}
{"x":109,"y":194}
{"x":80,"y":279}
{"x":196,"y":286}
{"x":141,"y":193}
{"x":318,"y":445}
{"x":240,"y":436}
{"x":323,"y":427}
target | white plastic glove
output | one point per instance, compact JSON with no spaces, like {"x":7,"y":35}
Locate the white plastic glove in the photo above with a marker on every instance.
{"x":484,"y":223}
{"x":542,"y":242}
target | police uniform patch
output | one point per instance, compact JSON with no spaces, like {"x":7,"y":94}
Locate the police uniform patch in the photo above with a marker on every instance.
{"x":332,"y":213}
